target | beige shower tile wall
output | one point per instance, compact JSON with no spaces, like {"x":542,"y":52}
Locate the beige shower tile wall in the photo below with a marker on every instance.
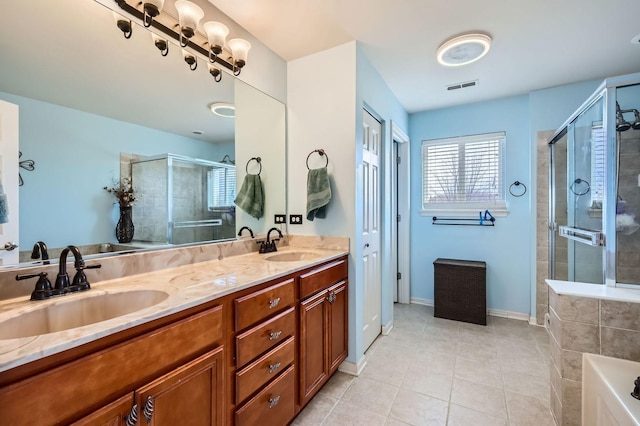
{"x":628,"y":246}
{"x":580,"y":325}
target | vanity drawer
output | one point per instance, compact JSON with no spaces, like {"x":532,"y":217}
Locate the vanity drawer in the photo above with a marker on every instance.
{"x":259,"y":305}
{"x":322,"y":277}
{"x":275,"y":405}
{"x":265,"y":368}
{"x":263,"y":337}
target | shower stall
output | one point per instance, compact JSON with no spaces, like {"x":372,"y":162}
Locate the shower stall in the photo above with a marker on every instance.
{"x":594,"y":208}
{"x":183,"y":200}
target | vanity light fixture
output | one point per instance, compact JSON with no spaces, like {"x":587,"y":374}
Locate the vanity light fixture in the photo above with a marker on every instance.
{"x":239,"y":52}
{"x":190,"y":60}
{"x":161,"y":44}
{"x":124,"y":25}
{"x":223,"y":109}
{"x":217,"y":33}
{"x":151,"y":9}
{"x":189,"y":15}
{"x":463,"y":49}
{"x":184,"y":29}
{"x":215,"y":73}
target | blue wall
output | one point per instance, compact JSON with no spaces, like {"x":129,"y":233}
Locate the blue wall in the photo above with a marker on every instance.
{"x":506,"y":247}
{"x":76,"y":154}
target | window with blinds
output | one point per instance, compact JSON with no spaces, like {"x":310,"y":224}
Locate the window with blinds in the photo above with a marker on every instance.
{"x":597,"y":166}
{"x":221,"y":184}
{"x":464,"y":174}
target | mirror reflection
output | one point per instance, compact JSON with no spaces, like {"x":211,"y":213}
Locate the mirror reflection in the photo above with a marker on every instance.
{"x":93,"y":104}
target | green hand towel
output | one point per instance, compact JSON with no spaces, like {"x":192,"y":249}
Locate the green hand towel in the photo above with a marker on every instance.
{"x":318,"y":193}
{"x":251,"y":196}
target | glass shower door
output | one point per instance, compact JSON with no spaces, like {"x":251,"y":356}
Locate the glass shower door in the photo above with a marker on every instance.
{"x":578,"y":183}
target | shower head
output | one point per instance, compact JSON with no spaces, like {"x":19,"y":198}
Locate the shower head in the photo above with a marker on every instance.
{"x":636,"y":124}
{"x":621,"y":124}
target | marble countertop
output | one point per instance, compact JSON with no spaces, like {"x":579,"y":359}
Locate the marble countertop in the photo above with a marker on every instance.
{"x":187,"y":286}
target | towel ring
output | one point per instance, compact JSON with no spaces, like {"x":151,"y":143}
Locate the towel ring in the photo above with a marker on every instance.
{"x":321,"y":153}
{"x":517,"y":183}
{"x":257,"y":160}
{"x":578,"y":181}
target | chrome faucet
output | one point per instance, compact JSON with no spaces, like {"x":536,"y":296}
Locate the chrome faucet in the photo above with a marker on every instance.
{"x":248,"y":229}
{"x":80,"y":282}
{"x":40,"y":250}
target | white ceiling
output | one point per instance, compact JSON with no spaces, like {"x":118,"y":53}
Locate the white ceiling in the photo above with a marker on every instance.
{"x":536,"y":43}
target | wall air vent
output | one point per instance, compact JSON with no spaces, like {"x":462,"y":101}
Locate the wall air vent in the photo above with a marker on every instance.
{"x":464,"y":85}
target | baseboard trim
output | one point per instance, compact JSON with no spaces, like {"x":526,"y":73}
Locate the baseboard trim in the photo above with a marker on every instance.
{"x":352,"y":368}
{"x":492,"y":312}
{"x":386,"y":329}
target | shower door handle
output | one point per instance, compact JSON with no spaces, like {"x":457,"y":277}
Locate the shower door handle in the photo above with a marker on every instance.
{"x":592,"y":238}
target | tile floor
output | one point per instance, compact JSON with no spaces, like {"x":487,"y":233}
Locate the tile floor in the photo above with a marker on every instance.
{"x":431,"y":371}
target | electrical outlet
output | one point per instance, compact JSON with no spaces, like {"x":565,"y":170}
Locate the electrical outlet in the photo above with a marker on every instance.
{"x":295,"y":219}
{"x":280,"y":218}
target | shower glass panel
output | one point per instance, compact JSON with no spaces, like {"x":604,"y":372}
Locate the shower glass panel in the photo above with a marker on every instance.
{"x":184,"y":200}
{"x":578,"y":179}
{"x":628,"y":184}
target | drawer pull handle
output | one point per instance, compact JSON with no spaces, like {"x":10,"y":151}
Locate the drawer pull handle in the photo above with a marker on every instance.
{"x":132,"y":418}
{"x":275,"y":335}
{"x":332,"y":297}
{"x":147,"y":411}
{"x":274,"y":401}
{"x":274,"y":367}
{"x":274,"y":302}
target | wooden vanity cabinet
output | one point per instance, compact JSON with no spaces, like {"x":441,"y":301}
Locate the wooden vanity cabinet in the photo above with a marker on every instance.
{"x":113,"y":414}
{"x":323,"y":326}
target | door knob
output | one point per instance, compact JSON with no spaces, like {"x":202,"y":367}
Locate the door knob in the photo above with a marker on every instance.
{"x":9,"y":246}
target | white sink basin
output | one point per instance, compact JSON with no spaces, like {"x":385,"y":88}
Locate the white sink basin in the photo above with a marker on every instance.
{"x":292,"y":256}
{"x":607,"y":384}
{"x":77,"y":312}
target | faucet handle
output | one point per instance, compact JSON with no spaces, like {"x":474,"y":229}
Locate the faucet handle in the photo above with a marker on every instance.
{"x":43,"y":288}
{"x":80,"y":281}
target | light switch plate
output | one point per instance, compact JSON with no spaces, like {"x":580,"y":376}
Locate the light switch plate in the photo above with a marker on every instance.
{"x":295,"y":219}
{"x":280,"y":218}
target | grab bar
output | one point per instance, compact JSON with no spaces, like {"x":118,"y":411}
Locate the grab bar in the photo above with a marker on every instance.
{"x":592,"y":238}
{"x":196,"y":223}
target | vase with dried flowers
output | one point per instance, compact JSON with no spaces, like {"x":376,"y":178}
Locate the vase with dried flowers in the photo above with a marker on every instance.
{"x":126,"y":197}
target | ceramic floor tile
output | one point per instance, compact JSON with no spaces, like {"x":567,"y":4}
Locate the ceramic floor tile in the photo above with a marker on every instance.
{"x":434,"y":361}
{"x":534,"y":366}
{"x":479,"y":397}
{"x":462,"y":416}
{"x":436,"y":344}
{"x":386,"y":367}
{"x":528,"y":411}
{"x":527,"y":384}
{"x":372,"y":395}
{"x":487,"y":373}
{"x":394,"y":422}
{"x":345,"y":413}
{"x":477,"y":338}
{"x":419,"y":410}
{"x":337,"y":385}
{"x":476,"y":352}
{"x":428,"y":382}
{"x":316,"y":411}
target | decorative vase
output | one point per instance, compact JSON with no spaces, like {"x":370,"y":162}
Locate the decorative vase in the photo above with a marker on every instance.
{"x":124,"y":228}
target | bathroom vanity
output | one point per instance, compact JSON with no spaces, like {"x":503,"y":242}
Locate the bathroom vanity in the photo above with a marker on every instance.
{"x":243,"y":340}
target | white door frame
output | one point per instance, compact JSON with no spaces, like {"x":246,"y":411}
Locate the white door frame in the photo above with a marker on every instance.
{"x":400,"y":205}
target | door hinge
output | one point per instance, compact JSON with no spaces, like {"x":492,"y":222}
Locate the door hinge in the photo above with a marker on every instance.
{"x":398,"y":160}
{"x":399,"y":275}
{"x":399,"y":218}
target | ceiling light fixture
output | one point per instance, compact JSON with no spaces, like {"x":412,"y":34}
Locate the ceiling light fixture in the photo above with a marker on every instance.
{"x":463,"y":49}
{"x":223,"y":109}
{"x":184,"y":29}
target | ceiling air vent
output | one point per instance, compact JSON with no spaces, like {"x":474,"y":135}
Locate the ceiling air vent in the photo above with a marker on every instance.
{"x":464,"y":85}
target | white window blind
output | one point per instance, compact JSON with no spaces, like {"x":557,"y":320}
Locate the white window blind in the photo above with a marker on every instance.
{"x":221,"y":182}
{"x":463,"y":175}
{"x":597,"y":166}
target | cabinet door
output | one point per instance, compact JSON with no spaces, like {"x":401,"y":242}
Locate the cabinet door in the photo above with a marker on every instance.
{"x":338,"y":325}
{"x":191,"y":395}
{"x":114,"y":414}
{"x":314,"y":360}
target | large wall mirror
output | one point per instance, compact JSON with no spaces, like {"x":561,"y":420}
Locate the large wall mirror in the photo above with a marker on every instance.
{"x":92,"y":102}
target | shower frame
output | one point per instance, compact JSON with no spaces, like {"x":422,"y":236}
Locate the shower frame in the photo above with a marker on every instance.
{"x":607,"y":92}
